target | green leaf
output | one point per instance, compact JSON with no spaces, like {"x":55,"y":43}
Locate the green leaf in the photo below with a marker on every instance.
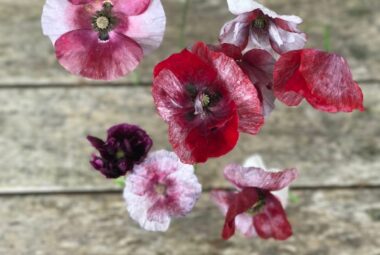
{"x":120,"y":182}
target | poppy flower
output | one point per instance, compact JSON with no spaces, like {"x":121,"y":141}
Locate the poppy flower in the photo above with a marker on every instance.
{"x":323,"y":79}
{"x":206,"y":99}
{"x":160,"y":188}
{"x":126,"y":145}
{"x":103,"y":39}
{"x":257,"y":27}
{"x":258,"y":65}
{"x":257,"y":207}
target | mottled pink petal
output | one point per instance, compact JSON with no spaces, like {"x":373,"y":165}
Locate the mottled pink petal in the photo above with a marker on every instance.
{"x":238,"y":7}
{"x":236,"y":31}
{"x":288,"y":41}
{"x":82,"y":53}
{"x":245,"y":225}
{"x":148,"y":28}
{"x":240,"y":88}
{"x":272,"y":221}
{"x":258,"y":178}
{"x":131,"y":7}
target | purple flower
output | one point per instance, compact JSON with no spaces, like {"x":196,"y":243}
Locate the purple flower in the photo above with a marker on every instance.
{"x":126,"y":145}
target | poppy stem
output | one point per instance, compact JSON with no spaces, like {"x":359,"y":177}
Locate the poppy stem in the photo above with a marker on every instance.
{"x":182,"y":28}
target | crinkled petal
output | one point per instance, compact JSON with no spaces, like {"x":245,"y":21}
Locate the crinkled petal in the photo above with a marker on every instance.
{"x":236,"y":31}
{"x":323,"y":79}
{"x":288,"y":41}
{"x":330,"y":82}
{"x":148,"y":28}
{"x":153,"y":210}
{"x":78,"y":1}
{"x":272,"y":221}
{"x":82,"y":53}
{"x":197,"y":144}
{"x":241,"y":89}
{"x":258,"y":178}
{"x":238,"y":7}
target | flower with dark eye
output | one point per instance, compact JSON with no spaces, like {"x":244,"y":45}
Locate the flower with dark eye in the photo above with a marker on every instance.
{"x":257,"y":207}
{"x":206,"y":99}
{"x":257,"y":27}
{"x":103,"y":39}
{"x":125,"y":146}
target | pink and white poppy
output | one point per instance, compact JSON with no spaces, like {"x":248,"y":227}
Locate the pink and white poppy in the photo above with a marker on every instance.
{"x":257,"y":207}
{"x":323,"y":79}
{"x":160,"y":188}
{"x":103,"y":39}
{"x":257,"y":27}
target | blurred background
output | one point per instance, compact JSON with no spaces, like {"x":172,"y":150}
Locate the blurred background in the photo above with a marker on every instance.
{"x":53,"y":203}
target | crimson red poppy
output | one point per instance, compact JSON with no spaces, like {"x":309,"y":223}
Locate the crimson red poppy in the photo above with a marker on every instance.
{"x":206,"y":99}
{"x":323,"y":79}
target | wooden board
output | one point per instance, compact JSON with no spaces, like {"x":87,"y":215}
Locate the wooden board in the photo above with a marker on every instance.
{"x":324,"y":223}
{"x":44,"y":146}
{"x":27,"y":57}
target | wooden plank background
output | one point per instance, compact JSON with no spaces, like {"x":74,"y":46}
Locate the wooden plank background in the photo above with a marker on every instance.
{"x":53,"y":203}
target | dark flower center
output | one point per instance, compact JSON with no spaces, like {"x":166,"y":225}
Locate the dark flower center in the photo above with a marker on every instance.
{"x":120,"y":154}
{"x":258,"y":206}
{"x":260,"y":23}
{"x":104,"y":21}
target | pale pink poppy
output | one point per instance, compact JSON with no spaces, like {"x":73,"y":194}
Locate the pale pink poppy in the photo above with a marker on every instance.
{"x":160,"y":188}
{"x":257,"y":207}
{"x":100,"y":39}
{"x":257,"y":27}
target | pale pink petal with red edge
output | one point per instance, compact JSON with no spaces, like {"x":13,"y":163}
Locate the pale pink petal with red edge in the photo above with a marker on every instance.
{"x":272,"y":221}
{"x":82,"y":53}
{"x":288,"y":40}
{"x":256,"y":177}
{"x":148,"y":28}
{"x":131,"y":7}
{"x":329,"y":80}
{"x":241,"y":89}
{"x":244,"y":223}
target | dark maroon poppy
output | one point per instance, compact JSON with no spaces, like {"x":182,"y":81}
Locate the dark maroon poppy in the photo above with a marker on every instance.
{"x":206,"y":99}
{"x":323,"y":79}
{"x":257,"y":208}
{"x":126,"y":145}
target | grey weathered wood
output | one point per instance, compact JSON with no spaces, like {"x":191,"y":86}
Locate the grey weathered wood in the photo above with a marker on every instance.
{"x":324,"y":223}
{"x":43,"y":141}
{"x":27,"y":57}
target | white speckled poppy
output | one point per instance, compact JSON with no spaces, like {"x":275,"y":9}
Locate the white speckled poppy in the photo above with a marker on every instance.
{"x":257,"y":27}
{"x":160,"y":188}
{"x":100,"y":39}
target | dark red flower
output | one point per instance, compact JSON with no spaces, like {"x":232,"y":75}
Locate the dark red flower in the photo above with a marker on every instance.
{"x":206,"y":99}
{"x":257,"y":208}
{"x":323,"y":79}
{"x":126,"y":145}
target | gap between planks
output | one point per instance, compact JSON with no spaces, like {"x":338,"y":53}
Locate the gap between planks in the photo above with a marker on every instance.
{"x":92,"y":191}
{"x":112,"y":84}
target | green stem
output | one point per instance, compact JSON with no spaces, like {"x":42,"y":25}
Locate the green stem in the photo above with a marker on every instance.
{"x":182,"y":28}
{"x":327,"y":38}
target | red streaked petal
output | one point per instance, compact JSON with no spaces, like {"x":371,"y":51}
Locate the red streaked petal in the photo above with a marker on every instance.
{"x":239,"y":86}
{"x":239,"y":204}
{"x":258,"y":178}
{"x":272,"y":222}
{"x":288,"y":84}
{"x":82,"y":53}
{"x":330,"y":82}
